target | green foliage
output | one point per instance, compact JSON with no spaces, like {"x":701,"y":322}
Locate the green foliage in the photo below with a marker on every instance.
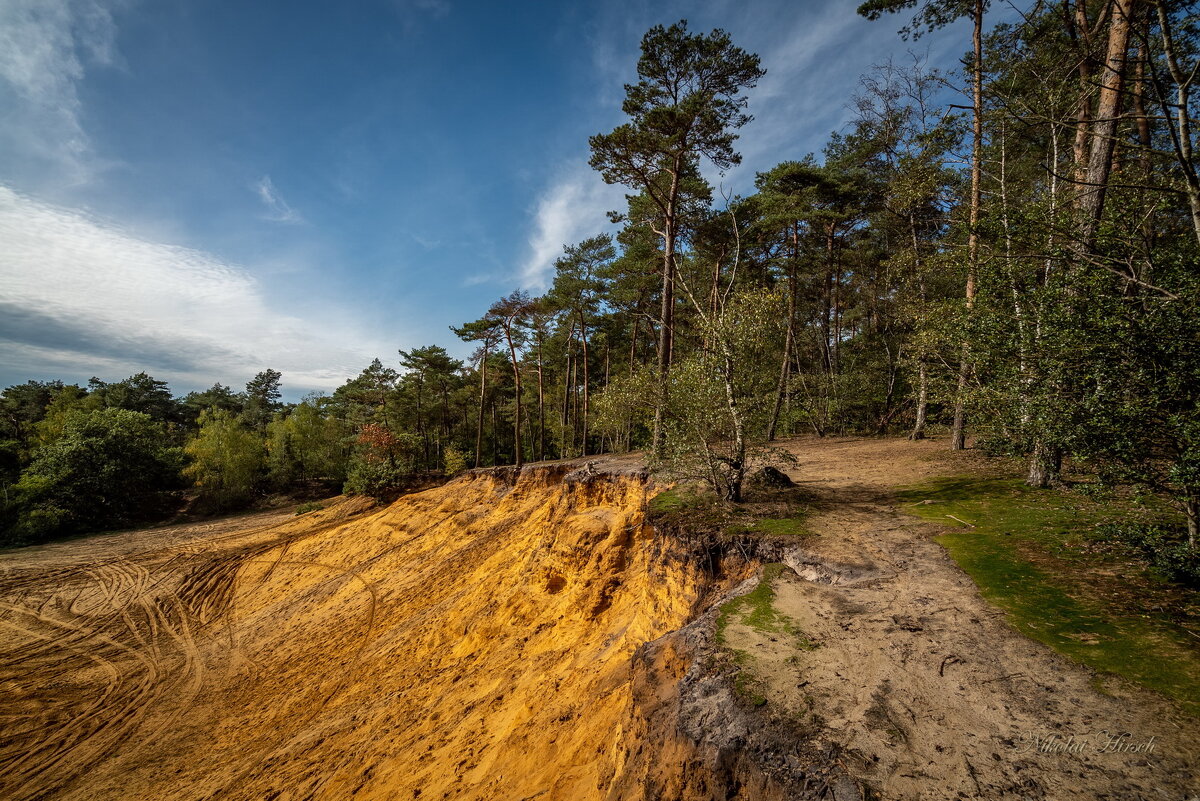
{"x":262,"y":399}
{"x":228,"y":461}
{"x":381,"y":463}
{"x":311,"y":506}
{"x":624,"y":411}
{"x":307,"y":445}
{"x":687,"y":102}
{"x":719,"y":400}
{"x":107,"y":468}
{"x":455,"y":461}
{"x":138,"y":393}
{"x":1164,"y":549}
{"x":218,"y":396}
{"x":376,"y":479}
{"x":67,"y":400}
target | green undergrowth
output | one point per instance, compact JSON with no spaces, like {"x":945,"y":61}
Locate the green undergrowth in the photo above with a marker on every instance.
{"x":1030,"y":552}
{"x":763,"y":513}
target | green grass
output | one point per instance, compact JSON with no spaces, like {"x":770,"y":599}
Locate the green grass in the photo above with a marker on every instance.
{"x":773,"y":526}
{"x":672,"y":500}
{"x":1024,"y":555}
{"x":755,"y":609}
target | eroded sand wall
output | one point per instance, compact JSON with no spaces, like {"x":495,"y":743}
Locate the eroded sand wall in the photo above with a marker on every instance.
{"x":478,"y":640}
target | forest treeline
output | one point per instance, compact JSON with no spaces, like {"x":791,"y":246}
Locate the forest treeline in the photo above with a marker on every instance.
{"x":1007,"y":252}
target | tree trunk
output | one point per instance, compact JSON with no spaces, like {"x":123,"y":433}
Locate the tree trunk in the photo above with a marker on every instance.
{"x":737,"y":466}
{"x":1104,"y":128}
{"x":1182,"y":126}
{"x":1192,"y":505}
{"x":583,"y":337}
{"x":518,"y":448}
{"x":574,"y":403}
{"x":1082,"y":30}
{"x":565,"y":418}
{"x":958,"y":432}
{"x":1045,"y":465}
{"x":665,"y":334}
{"x":421,"y":425}
{"x":479,"y":420}
{"x":541,"y":405}
{"x":495,"y":435}
{"x":918,"y":431}
{"x":788,"y":346}
{"x":637,"y":327}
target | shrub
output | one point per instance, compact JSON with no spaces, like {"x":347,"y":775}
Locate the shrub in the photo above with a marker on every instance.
{"x":229,"y":460}
{"x":1166,"y":551}
{"x":454,"y":460}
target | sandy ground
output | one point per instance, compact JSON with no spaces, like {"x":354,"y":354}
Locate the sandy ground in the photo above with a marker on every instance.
{"x":476,"y":641}
{"x":931,"y":694}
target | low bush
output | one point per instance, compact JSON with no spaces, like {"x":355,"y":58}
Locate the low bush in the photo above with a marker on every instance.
{"x":1164,"y":549}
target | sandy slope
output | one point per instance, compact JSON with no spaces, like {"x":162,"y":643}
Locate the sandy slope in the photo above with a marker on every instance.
{"x":472,"y":641}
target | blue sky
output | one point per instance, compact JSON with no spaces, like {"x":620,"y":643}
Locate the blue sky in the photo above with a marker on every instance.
{"x":205,"y":189}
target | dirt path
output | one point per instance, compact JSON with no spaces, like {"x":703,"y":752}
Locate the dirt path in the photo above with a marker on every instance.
{"x":930,"y":693}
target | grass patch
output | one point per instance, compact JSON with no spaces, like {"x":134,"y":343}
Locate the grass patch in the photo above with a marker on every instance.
{"x":763,"y":513}
{"x":772,"y":526}
{"x":755,"y":608}
{"x":1027,"y":550}
{"x":670,"y":501}
{"x":311,"y":506}
{"x":685,"y":508}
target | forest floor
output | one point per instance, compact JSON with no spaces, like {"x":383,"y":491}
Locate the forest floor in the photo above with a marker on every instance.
{"x":878,"y":636}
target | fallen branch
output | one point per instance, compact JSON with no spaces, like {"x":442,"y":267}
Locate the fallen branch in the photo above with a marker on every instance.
{"x":950,"y":660}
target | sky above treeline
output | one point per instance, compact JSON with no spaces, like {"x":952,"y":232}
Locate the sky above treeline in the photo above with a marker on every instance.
{"x":202,"y":189}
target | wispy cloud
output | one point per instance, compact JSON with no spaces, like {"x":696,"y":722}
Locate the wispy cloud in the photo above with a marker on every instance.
{"x":278,"y":209}
{"x":46,"y":47}
{"x":438,"y":8}
{"x":571,"y":208}
{"x":80,"y":296}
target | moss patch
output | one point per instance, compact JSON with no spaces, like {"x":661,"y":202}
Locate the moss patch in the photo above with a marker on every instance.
{"x":755,"y":608}
{"x":763,"y":513}
{"x":773,"y":526}
{"x":1027,"y":551}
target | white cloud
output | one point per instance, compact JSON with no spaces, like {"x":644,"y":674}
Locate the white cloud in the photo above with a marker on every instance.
{"x":278,"y":209}
{"x":571,"y":209}
{"x":46,"y":47}
{"x":82,"y":296}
